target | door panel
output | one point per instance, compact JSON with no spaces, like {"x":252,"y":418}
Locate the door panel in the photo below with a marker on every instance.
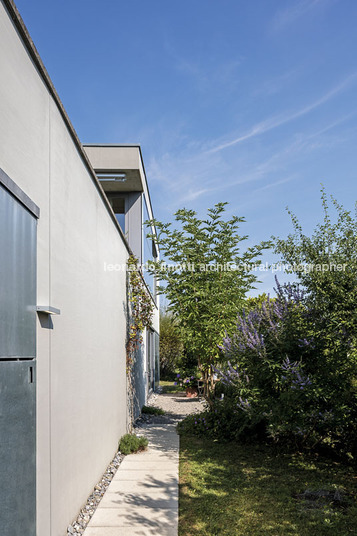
{"x":17,"y":279}
{"x":17,"y":366}
{"x":17,"y":448}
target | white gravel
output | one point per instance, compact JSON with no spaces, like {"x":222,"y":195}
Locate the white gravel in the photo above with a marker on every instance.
{"x":177,"y":406}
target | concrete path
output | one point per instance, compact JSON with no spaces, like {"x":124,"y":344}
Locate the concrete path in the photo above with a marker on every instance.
{"x":142,"y":498}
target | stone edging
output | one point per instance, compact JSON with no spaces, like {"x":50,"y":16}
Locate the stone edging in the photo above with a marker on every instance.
{"x":79,"y":524}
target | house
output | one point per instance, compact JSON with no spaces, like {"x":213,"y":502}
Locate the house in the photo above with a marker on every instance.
{"x":70,"y":216}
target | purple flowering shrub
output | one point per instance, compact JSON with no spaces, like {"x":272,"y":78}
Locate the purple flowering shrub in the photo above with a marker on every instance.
{"x":289,"y":367}
{"x":224,"y":422}
{"x":187,"y":381}
{"x":279,"y":382}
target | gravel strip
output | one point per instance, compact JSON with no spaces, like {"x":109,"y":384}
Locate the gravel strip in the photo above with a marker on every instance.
{"x":86,"y":513}
{"x":176,"y":405}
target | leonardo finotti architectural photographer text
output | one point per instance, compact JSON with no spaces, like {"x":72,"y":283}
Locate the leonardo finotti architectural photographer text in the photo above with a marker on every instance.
{"x":232,"y":267}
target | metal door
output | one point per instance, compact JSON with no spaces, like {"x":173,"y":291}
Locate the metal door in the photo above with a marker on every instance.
{"x":17,"y":361}
{"x":17,"y":448}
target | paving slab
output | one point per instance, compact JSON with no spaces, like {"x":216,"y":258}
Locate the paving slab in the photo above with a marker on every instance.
{"x":155,"y":500}
{"x":143,"y":475}
{"x":148,"y":465}
{"x":131,"y":531}
{"x":142,"y":498}
{"x":128,"y":486}
{"x":142,"y":516}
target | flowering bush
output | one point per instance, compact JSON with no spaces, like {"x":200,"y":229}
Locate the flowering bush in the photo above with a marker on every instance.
{"x":282,"y":379}
{"x":289,"y":368}
{"x":223,"y":420}
{"x":187,"y":381}
{"x":279,"y":382}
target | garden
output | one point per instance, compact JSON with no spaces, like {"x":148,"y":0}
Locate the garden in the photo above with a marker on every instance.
{"x":274,"y":451}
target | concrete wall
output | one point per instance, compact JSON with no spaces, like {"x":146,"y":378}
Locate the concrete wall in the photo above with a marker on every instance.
{"x":81,"y":397}
{"x":128,"y":159}
{"x":134,"y":223}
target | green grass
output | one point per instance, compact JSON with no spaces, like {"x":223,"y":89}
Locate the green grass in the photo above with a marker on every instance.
{"x":243,"y":490}
{"x":151,"y":410}
{"x":169,"y":387}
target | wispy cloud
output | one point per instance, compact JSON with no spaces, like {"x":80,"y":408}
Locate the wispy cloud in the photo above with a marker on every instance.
{"x":276,"y":183}
{"x":192,"y":195}
{"x":277,"y":121}
{"x":190,"y":176}
{"x":294,"y":11}
{"x":183,"y":177}
{"x":277,"y":161}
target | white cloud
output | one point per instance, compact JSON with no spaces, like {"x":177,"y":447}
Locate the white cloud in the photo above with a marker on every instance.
{"x":277,"y":121}
{"x":190,"y":176}
{"x":194,"y":194}
{"x":276,"y":183}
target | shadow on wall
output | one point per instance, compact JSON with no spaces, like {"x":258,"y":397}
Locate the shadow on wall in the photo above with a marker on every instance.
{"x":45,"y":320}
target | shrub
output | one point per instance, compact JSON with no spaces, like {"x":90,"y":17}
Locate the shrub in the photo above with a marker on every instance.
{"x":171,"y":346}
{"x":222,"y":421}
{"x":290,"y":366}
{"x":131,"y":443}
{"x":204,"y":300}
{"x":281,"y":378}
{"x":187,"y":381}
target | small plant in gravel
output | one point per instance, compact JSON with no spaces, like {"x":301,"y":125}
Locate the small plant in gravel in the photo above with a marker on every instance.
{"x":151,"y":410}
{"x":131,"y":443}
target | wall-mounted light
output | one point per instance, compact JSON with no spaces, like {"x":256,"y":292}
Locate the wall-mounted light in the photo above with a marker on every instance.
{"x":48,"y":310}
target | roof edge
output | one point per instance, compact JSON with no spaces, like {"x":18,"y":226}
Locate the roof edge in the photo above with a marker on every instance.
{"x":35,"y":56}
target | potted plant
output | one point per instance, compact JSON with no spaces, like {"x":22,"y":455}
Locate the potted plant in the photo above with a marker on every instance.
{"x":190,"y":384}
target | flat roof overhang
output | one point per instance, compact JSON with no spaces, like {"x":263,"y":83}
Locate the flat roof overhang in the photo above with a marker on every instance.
{"x":114,"y":159}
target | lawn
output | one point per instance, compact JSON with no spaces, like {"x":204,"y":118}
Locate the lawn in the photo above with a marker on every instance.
{"x":169,"y":387}
{"x":243,"y":490}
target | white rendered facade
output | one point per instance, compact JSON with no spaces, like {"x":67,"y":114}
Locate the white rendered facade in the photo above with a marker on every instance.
{"x":81,"y":391}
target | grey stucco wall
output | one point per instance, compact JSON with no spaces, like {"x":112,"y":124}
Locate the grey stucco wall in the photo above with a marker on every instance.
{"x":81,"y":395}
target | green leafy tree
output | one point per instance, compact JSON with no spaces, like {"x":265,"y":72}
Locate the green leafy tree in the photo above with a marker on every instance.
{"x":252,"y":302}
{"x":289,"y":367}
{"x":326,"y":266}
{"x":207,"y":288}
{"x":171,"y":345}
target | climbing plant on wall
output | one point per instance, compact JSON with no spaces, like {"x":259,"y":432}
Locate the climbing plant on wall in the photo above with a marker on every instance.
{"x":141,"y":309}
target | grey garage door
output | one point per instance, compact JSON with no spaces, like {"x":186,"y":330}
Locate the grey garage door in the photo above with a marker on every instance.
{"x":17,"y":365}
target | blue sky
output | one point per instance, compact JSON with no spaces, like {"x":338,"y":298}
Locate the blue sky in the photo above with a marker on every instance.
{"x":250,"y":102}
